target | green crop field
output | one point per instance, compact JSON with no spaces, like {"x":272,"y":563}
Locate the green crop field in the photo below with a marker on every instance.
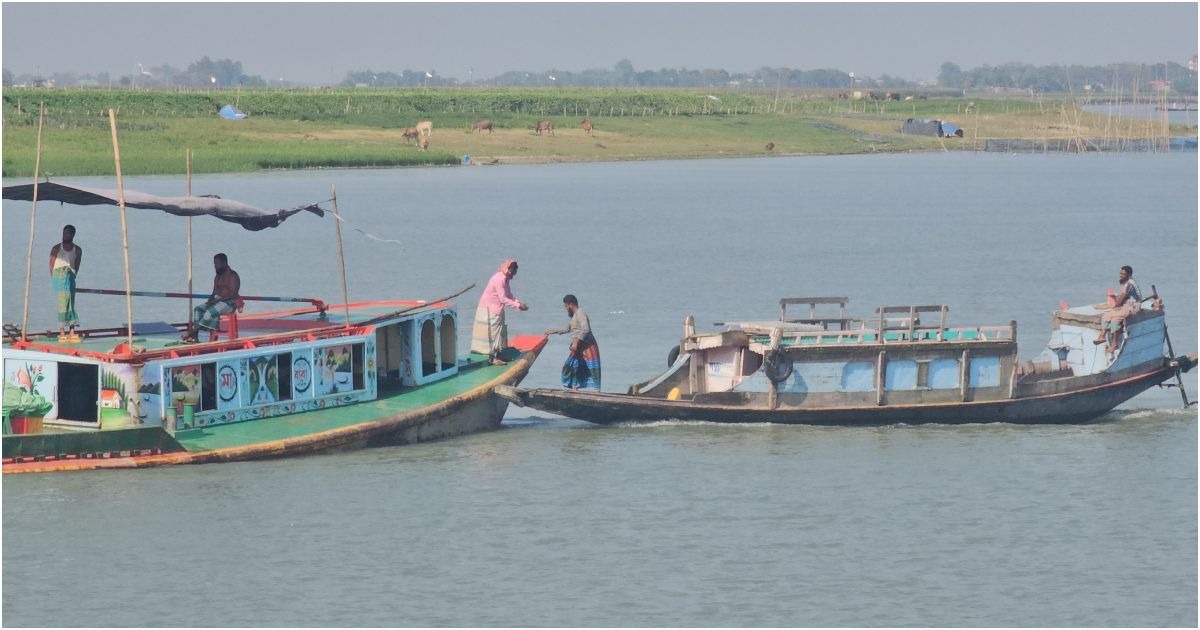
{"x":321,"y":128}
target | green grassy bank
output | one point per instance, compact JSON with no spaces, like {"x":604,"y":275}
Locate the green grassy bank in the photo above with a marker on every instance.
{"x":364,"y":127}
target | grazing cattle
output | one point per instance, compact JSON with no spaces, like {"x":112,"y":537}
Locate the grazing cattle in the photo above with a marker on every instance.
{"x":843,"y":96}
{"x":410,"y":134}
{"x":544,"y":125}
{"x":587,"y":126}
{"x":424,"y":146}
{"x":425,"y":129}
{"x":482,"y":125}
{"x":770,"y":146}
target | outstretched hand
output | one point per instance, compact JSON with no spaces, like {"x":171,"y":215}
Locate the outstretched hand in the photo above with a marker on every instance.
{"x":523,"y":307}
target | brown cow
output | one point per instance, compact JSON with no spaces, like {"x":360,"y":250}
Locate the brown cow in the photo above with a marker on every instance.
{"x":424,"y":146}
{"x":483,"y":124}
{"x":587,"y":126}
{"x":544,"y":125}
{"x":410,"y":134}
{"x":770,"y":146}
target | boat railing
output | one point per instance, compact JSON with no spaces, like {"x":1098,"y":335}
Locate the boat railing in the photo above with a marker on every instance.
{"x":319,"y":305}
{"x":902,"y":324}
{"x":841,"y":322}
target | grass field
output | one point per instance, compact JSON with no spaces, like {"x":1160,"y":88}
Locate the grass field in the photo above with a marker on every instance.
{"x":363,"y":128}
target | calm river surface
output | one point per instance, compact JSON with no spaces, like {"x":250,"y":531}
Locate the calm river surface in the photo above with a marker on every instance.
{"x":556,"y":522}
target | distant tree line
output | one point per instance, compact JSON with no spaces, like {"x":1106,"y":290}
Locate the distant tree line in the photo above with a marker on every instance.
{"x":221,"y":73}
{"x":1108,"y":79}
{"x":623,"y":74}
{"x":204,"y":72}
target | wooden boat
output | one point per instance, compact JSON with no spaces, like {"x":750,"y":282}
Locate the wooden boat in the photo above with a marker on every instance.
{"x":905,"y":365}
{"x":270,"y":384}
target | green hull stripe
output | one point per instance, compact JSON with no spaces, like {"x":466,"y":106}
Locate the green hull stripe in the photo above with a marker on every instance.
{"x":141,"y":438}
{"x":308,"y":422}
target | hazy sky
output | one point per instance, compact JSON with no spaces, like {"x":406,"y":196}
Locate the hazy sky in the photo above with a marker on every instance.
{"x":313,"y":42}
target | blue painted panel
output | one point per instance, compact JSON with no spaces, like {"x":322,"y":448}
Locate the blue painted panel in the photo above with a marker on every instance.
{"x":813,"y":377}
{"x":858,"y":377}
{"x":943,"y":374}
{"x":985,"y":372}
{"x":899,"y":375}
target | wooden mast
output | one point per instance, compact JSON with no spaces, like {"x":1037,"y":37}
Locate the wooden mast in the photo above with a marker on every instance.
{"x":189,"y":235}
{"x":337,"y":221}
{"x":37,"y":166}
{"x":112,"y":123}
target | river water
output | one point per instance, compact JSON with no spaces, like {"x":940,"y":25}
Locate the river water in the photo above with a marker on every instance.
{"x":557,"y":522}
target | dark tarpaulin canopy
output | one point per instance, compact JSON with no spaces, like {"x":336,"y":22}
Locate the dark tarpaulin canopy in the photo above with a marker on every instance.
{"x":245,"y":215}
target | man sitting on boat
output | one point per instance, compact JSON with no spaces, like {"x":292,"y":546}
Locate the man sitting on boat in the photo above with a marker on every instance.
{"x":1127,"y":302}
{"x":582,"y":367}
{"x":489,"y":335}
{"x":223,"y":300}
{"x":64,"y":267}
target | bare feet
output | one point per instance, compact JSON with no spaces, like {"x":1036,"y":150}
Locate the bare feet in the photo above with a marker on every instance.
{"x":499,"y":362}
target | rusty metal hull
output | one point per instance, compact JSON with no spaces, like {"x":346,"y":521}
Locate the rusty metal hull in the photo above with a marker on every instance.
{"x":1072,"y":406}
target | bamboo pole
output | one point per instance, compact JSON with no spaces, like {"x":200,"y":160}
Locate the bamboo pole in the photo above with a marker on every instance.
{"x":337,"y":221}
{"x":189,"y":234}
{"x":112,"y":123}
{"x":37,"y":166}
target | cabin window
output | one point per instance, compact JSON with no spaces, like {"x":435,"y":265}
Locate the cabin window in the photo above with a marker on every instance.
{"x":208,"y":386}
{"x":900,"y":375}
{"x":356,"y":353}
{"x":943,"y":374}
{"x":77,"y":392}
{"x":449,"y":335}
{"x":283,"y":364}
{"x":390,"y":352}
{"x":858,"y":377}
{"x":429,"y":362}
{"x":985,"y":372}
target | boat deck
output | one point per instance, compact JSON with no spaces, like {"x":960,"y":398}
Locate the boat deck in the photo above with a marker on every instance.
{"x":254,"y":328}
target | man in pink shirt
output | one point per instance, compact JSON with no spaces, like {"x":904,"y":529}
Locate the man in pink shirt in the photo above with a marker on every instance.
{"x":489,"y":335}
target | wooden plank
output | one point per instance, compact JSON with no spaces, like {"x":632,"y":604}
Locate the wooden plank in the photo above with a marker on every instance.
{"x":964,"y":374}
{"x":814,"y":300}
{"x":880,"y":380}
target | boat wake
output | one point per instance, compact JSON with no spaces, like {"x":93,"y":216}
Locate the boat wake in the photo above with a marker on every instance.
{"x":1115,"y":416}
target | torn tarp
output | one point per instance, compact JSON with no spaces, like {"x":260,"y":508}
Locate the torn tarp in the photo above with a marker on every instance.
{"x":245,"y":215}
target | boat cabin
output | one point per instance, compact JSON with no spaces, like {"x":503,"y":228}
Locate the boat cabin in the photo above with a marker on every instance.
{"x":282,"y":363}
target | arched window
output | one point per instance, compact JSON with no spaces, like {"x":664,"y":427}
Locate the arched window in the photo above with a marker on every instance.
{"x":449,"y":341}
{"x":429,"y":362}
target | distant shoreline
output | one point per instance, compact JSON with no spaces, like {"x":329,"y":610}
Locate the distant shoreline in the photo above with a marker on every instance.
{"x":355,"y":129}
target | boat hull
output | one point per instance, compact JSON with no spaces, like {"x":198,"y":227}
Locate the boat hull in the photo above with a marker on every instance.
{"x":1081,"y":405}
{"x":478,"y":409}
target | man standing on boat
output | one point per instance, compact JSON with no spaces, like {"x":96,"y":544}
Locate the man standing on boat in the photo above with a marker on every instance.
{"x":489,"y":335}
{"x":582,"y":367}
{"x":64,"y":267}
{"x":226,"y":286}
{"x":1127,"y":302}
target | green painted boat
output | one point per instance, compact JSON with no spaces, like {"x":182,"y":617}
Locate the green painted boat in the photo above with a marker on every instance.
{"x":390,"y":374}
{"x":263,"y":385}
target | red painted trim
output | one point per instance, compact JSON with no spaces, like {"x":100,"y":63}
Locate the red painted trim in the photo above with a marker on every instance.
{"x":319,"y":330}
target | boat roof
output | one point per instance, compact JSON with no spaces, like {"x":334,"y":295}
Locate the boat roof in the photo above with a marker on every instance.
{"x":161,"y":340}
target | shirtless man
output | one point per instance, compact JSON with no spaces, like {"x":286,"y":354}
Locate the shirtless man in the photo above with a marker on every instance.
{"x":223,"y":300}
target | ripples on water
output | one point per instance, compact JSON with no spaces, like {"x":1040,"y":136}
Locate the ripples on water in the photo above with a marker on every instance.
{"x":558,"y":522}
